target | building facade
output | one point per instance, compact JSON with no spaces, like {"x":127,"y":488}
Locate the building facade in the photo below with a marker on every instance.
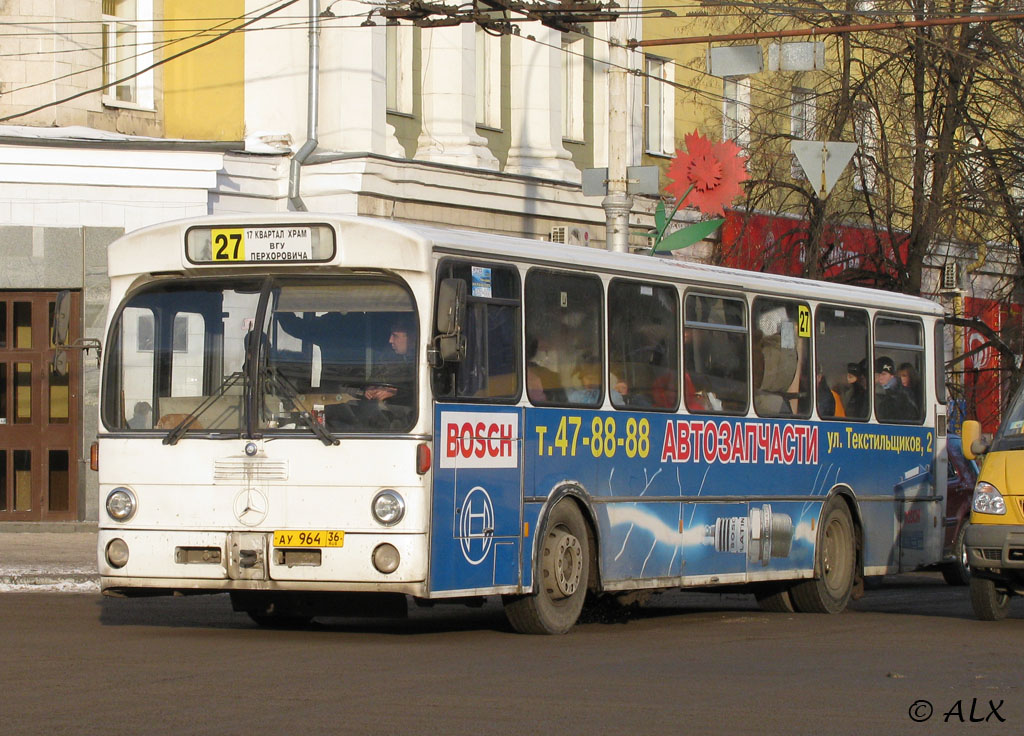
{"x":117,"y":114}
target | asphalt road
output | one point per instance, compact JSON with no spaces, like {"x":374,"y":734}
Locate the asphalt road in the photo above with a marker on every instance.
{"x":687,"y":663}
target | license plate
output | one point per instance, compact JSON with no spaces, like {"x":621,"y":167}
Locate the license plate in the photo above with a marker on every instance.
{"x":302,"y":538}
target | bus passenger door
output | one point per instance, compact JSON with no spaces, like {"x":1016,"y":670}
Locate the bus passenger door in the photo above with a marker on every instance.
{"x":476,"y":513}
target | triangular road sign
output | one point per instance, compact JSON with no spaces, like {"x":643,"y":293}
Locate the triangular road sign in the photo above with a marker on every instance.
{"x":823,"y":161}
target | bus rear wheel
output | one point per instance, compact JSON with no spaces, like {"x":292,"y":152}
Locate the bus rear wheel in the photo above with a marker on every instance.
{"x":562,"y":573}
{"x":836,"y":564}
{"x":989,"y":603}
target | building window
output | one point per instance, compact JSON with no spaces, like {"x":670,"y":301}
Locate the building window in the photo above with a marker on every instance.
{"x":736,"y":110}
{"x":659,"y":107}
{"x":803,"y":114}
{"x":127,"y":49}
{"x":865,"y":131}
{"x":488,"y":79}
{"x":572,"y":87}
{"x":398,"y":39}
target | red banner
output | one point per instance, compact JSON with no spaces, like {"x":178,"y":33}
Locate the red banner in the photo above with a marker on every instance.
{"x":776,"y":244}
{"x":981,"y":369}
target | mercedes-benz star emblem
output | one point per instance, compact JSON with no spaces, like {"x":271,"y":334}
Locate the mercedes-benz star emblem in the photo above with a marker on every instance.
{"x":251,"y":507}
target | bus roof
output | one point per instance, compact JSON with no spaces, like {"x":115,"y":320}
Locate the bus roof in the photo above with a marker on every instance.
{"x":411,"y":245}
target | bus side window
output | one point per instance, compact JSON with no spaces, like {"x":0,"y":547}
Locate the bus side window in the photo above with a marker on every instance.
{"x":781,"y":365}
{"x":490,"y":370}
{"x":899,"y":370}
{"x":841,"y":360}
{"x":715,"y":355}
{"x":563,"y":339}
{"x":643,"y":345}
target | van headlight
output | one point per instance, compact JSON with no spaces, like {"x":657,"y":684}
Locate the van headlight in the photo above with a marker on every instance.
{"x":388,"y":507}
{"x":988,"y":500}
{"x":121,"y":504}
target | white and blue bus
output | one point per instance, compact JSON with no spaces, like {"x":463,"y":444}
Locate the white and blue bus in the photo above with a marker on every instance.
{"x":324,"y":414}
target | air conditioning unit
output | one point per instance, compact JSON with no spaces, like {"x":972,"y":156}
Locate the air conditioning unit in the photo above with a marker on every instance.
{"x":570,"y":234}
{"x":950,"y":276}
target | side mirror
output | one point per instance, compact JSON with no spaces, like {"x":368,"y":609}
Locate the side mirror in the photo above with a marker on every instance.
{"x":971,"y":440}
{"x":61,"y":318}
{"x":61,"y":326}
{"x":451,"y":309}
{"x":451,"y":306}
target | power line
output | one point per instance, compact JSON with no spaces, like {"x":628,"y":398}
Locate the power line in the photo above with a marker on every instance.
{"x":828,"y":30}
{"x":154,"y":65}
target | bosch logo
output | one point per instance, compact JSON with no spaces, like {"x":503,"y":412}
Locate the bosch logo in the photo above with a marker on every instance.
{"x":476,"y":526}
{"x":479,"y":440}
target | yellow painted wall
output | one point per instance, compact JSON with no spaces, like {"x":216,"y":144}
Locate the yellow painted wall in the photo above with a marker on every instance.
{"x":204,"y":91}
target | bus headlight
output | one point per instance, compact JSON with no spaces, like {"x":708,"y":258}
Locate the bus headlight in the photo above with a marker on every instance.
{"x":117,"y":553}
{"x":988,"y":500}
{"x":121,"y":504}
{"x":388,"y":507}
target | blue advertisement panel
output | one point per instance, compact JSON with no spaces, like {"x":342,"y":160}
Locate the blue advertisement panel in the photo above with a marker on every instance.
{"x":729,"y":498}
{"x":477,"y":498}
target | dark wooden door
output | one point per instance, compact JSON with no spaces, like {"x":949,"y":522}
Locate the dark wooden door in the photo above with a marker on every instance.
{"x":39,"y":412}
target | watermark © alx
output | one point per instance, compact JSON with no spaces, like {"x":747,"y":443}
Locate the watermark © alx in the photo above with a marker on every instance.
{"x":962,"y":711}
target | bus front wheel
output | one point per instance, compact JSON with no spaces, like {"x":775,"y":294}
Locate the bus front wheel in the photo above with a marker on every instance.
{"x":562,"y":573}
{"x":836,"y":565}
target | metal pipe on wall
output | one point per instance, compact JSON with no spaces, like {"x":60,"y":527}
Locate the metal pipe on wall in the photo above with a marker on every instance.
{"x":312,"y":111}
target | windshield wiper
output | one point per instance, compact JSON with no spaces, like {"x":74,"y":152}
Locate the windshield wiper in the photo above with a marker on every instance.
{"x":181,"y":427}
{"x":282,"y":385}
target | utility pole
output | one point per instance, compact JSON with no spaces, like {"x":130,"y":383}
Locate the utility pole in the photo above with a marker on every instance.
{"x":618,"y":202}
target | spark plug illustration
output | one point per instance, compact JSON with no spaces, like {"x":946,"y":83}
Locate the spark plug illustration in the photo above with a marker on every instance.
{"x":761,"y":534}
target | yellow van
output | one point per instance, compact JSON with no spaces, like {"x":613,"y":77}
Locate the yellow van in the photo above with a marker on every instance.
{"x":995,"y":537}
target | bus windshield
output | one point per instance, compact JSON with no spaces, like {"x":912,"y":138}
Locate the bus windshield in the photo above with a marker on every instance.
{"x":184,"y":357}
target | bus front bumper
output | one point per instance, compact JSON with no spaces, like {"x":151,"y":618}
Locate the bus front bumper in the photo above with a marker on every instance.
{"x":149,"y":561}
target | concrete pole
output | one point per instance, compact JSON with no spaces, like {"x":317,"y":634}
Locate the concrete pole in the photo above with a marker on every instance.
{"x":618,"y":203}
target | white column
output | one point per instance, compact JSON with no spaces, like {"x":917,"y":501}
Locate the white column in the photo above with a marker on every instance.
{"x":275,"y":78}
{"x":353,"y":86}
{"x":448,"y":99}
{"x":600,"y":92}
{"x":536,"y":74}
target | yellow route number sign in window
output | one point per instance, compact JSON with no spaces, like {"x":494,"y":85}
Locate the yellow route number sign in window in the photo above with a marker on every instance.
{"x":261,"y":244}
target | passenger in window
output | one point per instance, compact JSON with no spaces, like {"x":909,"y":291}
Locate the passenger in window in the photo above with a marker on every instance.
{"x":891,"y":400}
{"x":539,"y":380}
{"x":388,"y":397}
{"x":395,"y":373}
{"x":829,"y":403}
{"x":695,"y":400}
{"x":910,"y":384}
{"x":664,"y":393}
{"x":619,"y":391}
{"x":589,"y":389}
{"x":142,"y":417}
{"x":855,"y":394}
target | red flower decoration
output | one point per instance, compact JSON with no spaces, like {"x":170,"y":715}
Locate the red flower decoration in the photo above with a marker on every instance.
{"x":709,"y":173}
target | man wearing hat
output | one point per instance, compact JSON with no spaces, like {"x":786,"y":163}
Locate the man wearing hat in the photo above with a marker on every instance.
{"x":891,"y":401}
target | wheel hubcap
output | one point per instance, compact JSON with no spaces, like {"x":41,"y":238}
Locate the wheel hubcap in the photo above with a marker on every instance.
{"x":566,"y":560}
{"x":833,"y":564}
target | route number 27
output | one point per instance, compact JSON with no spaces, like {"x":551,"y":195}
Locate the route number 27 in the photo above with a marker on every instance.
{"x":228,"y":245}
